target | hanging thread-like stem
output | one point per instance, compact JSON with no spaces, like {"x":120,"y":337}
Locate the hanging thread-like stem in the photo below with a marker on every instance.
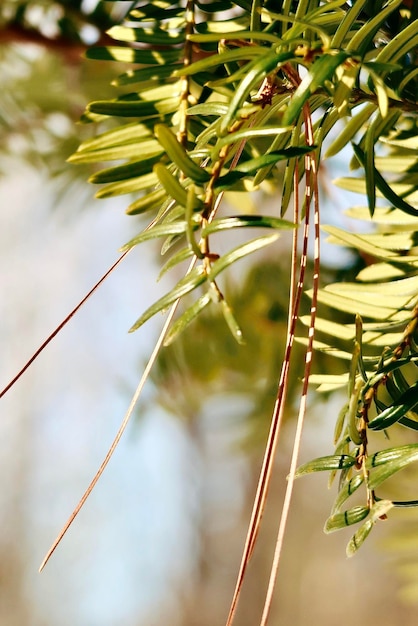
{"x":311,"y":190}
{"x":120,"y":432}
{"x":276,"y":421}
{"x":62,"y":324}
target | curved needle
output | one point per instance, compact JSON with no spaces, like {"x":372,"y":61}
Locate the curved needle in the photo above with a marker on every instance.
{"x":121,"y":430}
{"x":61,"y":325}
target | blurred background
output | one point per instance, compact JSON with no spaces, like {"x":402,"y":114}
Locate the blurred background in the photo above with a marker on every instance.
{"x":160,"y":538}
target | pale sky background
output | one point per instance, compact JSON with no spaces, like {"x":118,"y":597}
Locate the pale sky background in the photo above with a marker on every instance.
{"x":58,"y":421}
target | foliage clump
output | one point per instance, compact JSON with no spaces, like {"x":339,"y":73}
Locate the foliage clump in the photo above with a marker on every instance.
{"x":235,"y":100}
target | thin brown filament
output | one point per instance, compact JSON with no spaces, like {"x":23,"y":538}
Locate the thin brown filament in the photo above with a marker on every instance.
{"x":61,"y":325}
{"x":278,"y":411}
{"x":277,"y":417}
{"x":129,"y":412}
{"x":121,"y":430}
{"x":311,"y":190}
{"x":69,"y":316}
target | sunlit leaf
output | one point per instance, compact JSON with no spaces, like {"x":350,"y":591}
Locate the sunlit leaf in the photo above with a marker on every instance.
{"x":403,"y":287}
{"x":193,"y":204}
{"x":399,"y":241}
{"x":154,"y":36}
{"x":171,"y":184}
{"x":350,"y":129}
{"x":142,"y":109}
{"x":399,"y":45}
{"x":386,"y":463}
{"x":120,"y":136}
{"x":245,"y":221}
{"x":187,"y":318}
{"x":131,"y":55}
{"x":149,"y":202}
{"x":362,"y":242}
{"x":347,"y":490}
{"x":326,"y":348}
{"x":240,"y":252}
{"x":238,"y":54}
{"x":140,"y":183}
{"x":179,"y":257}
{"x":124,"y":150}
{"x":379,"y":509}
{"x":381,"y":93}
{"x":359,"y":306}
{"x":383,"y":215}
{"x":232,"y":322}
{"x":322,"y":70}
{"x":158,"y":74}
{"x":349,"y":517}
{"x":235,"y":34}
{"x":326,"y":463}
{"x":379,"y":272}
{"x":396,"y":164}
{"x":340,"y":423}
{"x":251,"y":133}
{"x":187,"y":284}
{"x":252,"y":166}
{"x":124,"y":172}
{"x":353,"y":405}
{"x":216,"y":109}
{"x":384,"y":187}
{"x":347,"y":75}
{"x":331,"y":328}
{"x":361,"y":39}
{"x":160,"y":230}
{"x":406,"y":402}
{"x":346,"y":23}
{"x":328,"y":382}
{"x":179,"y":155}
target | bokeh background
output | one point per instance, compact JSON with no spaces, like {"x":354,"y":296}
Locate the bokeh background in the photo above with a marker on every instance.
{"x":160,"y":538}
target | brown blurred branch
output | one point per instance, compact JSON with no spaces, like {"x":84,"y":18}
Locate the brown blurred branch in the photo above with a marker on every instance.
{"x":71,"y":49}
